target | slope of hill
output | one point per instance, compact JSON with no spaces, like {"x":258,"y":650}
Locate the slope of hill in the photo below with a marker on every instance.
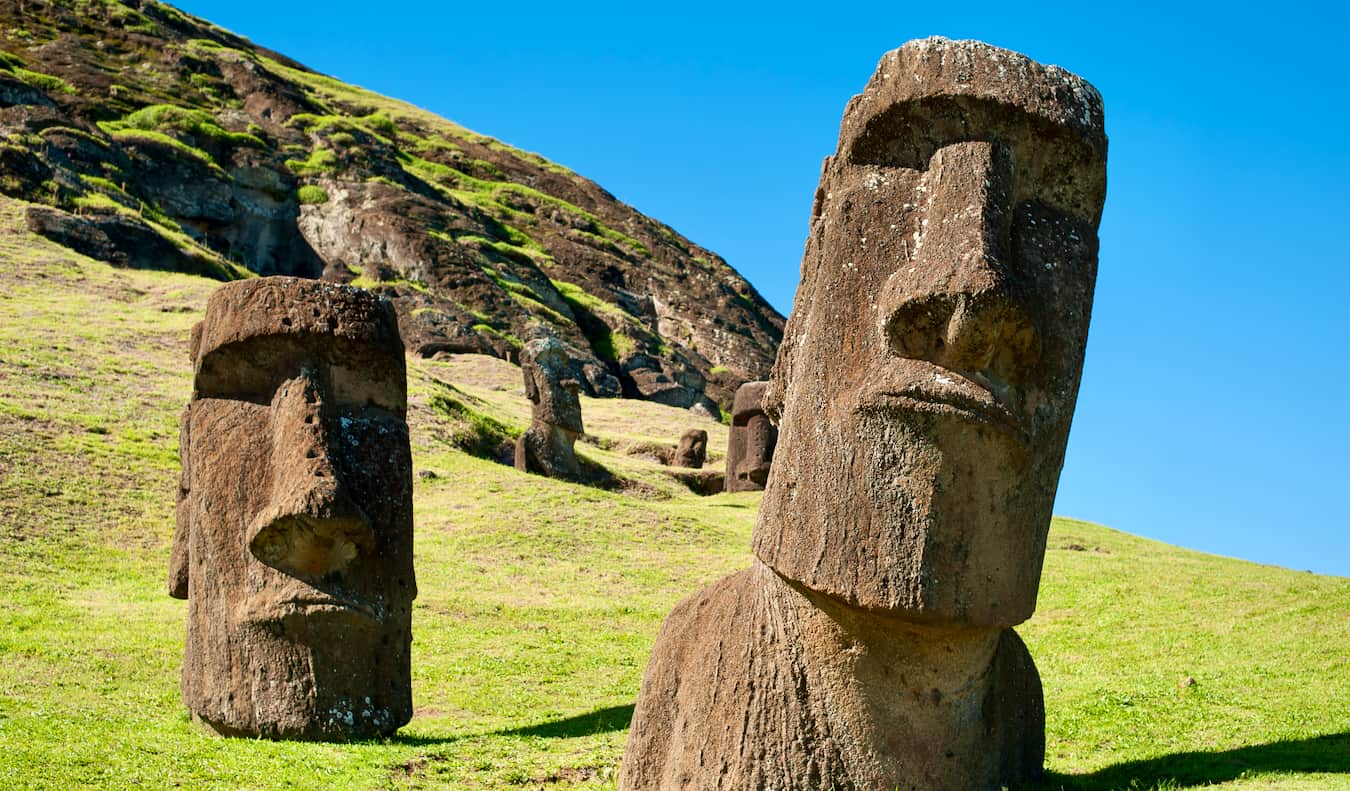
{"x":1163,"y":668}
{"x":159,"y":140}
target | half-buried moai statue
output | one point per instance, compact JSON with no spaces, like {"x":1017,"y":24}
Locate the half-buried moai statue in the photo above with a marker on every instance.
{"x":924,"y":391}
{"x":546,"y":447}
{"x":692,"y":450}
{"x":295,"y":524}
{"x":751,"y":441}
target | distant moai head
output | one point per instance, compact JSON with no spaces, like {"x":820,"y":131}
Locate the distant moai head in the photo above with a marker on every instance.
{"x":550,"y":384}
{"x":692,"y":450}
{"x":294,"y":542}
{"x":928,"y":374}
{"x":751,"y":441}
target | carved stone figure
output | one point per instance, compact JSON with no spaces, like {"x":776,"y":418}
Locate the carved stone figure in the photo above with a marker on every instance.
{"x":294,"y":537}
{"x":693,"y":449}
{"x":924,"y":392}
{"x":751,"y":441}
{"x":547,"y":446}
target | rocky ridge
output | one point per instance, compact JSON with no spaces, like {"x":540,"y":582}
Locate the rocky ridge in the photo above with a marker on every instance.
{"x":155,"y":139}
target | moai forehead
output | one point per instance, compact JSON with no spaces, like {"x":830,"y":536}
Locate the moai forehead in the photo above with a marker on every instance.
{"x":256,"y":330}
{"x":748,"y":401}
{"x":927,"y":377}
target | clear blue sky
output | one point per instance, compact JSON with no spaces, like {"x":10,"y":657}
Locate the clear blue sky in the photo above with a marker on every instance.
{"x":1213,"y":412}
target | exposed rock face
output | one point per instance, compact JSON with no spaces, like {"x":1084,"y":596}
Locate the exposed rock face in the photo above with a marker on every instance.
{"x":752,"y":440}
{"x":185,"y":147}
{"x":693,"y":449}
{"x":546,"y":447}
{"x":294,"y":538}
{"x":924,"y":393}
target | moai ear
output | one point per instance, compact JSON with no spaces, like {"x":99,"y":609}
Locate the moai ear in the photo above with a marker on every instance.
{"x":178,"y":556}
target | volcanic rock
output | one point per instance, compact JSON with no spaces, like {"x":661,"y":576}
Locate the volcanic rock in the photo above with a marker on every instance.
{"x":242,"y":160}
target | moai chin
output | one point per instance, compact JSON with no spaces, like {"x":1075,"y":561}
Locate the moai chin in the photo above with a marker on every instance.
{"x":295,"y":523}
{"x":555,"y":420}
{"x":751,"y":441}
{"x":692,"y":450}
{"x":923,"y":391}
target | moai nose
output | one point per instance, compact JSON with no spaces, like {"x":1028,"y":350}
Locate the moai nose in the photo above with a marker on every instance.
{"x":954,"y":304}
{"x":311,"y":528}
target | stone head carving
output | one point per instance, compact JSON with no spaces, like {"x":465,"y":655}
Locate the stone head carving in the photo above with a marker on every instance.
{"x":555,"y":423}
{"x":928,"y":374}
{"x":692,"y":450}
{"x":751,"y":441}
{"x":294,"y":539}
{"x":550,"y":385}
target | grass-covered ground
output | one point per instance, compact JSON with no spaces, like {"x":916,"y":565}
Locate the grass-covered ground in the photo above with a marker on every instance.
{"x":540,"y":600}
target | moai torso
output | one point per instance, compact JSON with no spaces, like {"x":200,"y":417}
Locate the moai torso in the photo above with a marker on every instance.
{"x":294,"y":538}
{"x":923,"y":390}
{"x":751,"y":441}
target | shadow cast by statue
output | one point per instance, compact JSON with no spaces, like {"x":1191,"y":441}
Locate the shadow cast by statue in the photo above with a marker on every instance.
{"x":613,"y":718}
{"x":1330,"y":753}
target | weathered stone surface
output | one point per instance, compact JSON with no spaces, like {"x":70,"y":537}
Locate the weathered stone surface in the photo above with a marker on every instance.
{"x":692,"y":450}
{"x":759,"y":683}
{"x":294,"y":538}
{"x":546,"y":447}
{"x":924,"y":391}
{"x":751,"y":441}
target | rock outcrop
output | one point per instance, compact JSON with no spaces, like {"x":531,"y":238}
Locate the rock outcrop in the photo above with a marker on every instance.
{"x":923,"y":392}
{"x":294,"y":537}
{"x":182,"y":146}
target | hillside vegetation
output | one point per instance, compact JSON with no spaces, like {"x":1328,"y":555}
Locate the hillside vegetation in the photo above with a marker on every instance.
{"x":540,"y":600}
{"x":158,"y":140}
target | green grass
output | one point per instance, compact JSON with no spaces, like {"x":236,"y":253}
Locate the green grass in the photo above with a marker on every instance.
{"x":156,"y":138}
{"x":47,"y":82}
{"x":540,"y":599}
{"x":171,"y":119}
{"x":320,"y":162}
{"x":311,"y":194}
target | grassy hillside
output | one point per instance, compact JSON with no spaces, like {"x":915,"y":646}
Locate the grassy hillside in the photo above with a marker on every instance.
{"x":540,"y":600}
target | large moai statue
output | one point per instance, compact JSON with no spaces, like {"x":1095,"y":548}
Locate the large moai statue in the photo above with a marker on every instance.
{"x":547,"y":445}
{"x":924,"y":391}
{"x":295,"y":523}
{"x":751,"y":441}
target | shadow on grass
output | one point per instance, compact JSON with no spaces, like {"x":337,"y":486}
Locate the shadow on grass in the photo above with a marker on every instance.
{"x":614,"y":718}
{"x":1329,"y":753}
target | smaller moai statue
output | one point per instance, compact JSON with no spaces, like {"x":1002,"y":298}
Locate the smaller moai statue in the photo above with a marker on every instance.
{"x":692,"y":450}
{"x":546,"y":447}
{"x":752,"y":440}
{"x":295,"y":523}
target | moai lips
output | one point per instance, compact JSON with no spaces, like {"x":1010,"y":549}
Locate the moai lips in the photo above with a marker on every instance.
{"x":294,"y":539}
{"x":923,"y":393}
